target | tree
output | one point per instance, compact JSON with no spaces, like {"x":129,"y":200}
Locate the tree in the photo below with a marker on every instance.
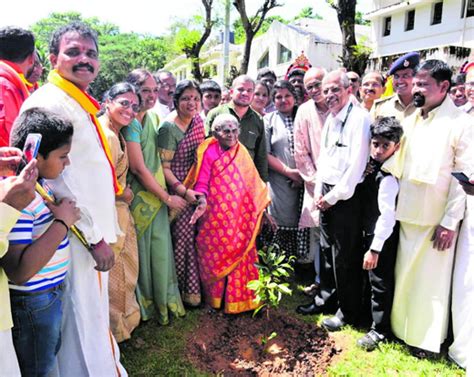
{"x":308,"y":12}
{"x":252,"y":26}
{"x":190,"y":41}
{"x":239,"y":31}
{"x":353,"y":58}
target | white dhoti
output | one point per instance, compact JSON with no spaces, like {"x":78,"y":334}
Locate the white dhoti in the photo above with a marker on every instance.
{"x":88,"y":347}
{"x":8,"y":362}
{"x":422,"y":289}
{"x":462,"y":349}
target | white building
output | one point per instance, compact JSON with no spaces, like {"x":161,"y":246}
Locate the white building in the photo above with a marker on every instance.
{"x":319,"y":40}
{"x":211,"y":63}
{"x":438,"y":29}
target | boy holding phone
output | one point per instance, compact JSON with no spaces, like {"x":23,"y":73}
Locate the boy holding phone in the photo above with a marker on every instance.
{"x":38,"y":255}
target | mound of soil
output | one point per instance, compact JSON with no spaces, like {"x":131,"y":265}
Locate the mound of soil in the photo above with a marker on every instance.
{"x":234,"y":345}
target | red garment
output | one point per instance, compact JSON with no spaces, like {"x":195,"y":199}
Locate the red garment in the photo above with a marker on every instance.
{"x":13,"y":93}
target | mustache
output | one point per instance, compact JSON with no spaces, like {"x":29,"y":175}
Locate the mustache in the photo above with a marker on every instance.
{"x":370,"y":91}
{"x":83,"y":65}
{"x":418,"y":99}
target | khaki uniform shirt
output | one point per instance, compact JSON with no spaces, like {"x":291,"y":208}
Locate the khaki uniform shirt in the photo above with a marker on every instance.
{"x":391,"y":106}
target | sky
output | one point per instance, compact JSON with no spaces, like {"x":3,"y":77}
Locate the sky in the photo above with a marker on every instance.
{"x":141,"y":16}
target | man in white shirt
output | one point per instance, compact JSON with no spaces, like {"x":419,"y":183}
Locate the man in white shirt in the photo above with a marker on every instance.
{"x":88,"y":347}
{"x":166,"y":88}
{"x":343,"y":156}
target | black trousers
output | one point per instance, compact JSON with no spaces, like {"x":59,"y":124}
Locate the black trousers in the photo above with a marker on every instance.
{"x":381,"y":281}
{"x":341,"y":257}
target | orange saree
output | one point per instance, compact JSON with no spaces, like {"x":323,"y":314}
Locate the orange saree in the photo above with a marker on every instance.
{"x":236,"y":199}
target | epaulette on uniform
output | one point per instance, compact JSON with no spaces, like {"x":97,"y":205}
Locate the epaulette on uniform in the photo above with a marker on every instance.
{"x":379,"y":101}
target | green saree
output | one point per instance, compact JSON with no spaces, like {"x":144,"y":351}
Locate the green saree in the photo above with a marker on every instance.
{"x":157,"y":289}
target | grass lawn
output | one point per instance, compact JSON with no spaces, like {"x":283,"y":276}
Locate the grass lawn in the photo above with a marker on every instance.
{"x":156,"y":350}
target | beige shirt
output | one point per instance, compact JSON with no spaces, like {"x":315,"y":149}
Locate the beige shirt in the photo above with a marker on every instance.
{"x":391,"y":106}
{"x":431,"y":150}
{"x":8,"y":218}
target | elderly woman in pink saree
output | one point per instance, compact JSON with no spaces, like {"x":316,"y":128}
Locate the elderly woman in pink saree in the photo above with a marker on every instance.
{"x":230,"y":209}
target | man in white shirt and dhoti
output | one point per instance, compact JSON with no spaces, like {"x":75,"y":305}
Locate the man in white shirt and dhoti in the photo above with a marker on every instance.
{"x":430,"y":205}
{"x":88,"y":348}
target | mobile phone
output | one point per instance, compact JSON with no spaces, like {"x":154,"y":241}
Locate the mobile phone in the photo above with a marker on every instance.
{"x":30,"y":150}
{"x":461,"y":177}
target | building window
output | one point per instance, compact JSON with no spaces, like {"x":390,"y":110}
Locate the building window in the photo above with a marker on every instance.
{"x":410,"y":20}
{"x":437,"y":13}
{"x":264,"y":61}
{"x":284,"y":54}
{"x":467,"y":8}
{"x":387,"y":26}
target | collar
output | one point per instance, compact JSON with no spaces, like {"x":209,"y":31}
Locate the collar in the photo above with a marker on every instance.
{"x":231,"y":105}
{"x":12,"y":65}
{"x":400,"y":103}
{"x":432,"y":112}
{"x":342,"y":113}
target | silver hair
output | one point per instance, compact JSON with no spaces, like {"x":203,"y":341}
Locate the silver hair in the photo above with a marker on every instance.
{"x":343,"y":79}
{"x":223,"y":119}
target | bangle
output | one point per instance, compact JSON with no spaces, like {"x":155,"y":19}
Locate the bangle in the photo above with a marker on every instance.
{"x":175,"y":185}
{"x":185,"y":192}
{"x":62,"y":222}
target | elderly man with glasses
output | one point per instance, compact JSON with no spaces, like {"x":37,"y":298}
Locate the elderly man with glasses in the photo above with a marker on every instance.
{"x":342,"y":159}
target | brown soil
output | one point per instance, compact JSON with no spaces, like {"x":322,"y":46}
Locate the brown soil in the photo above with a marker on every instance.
{"x":233,"y":346}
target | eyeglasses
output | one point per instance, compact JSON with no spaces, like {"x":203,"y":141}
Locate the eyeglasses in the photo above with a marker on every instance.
{"x":227,"y":131}
{"x":315,"y":85}
{"x":126,"y":104}
{"x":354,"y":79}
{"x":333,"y":90}
{"x":147,"y":91}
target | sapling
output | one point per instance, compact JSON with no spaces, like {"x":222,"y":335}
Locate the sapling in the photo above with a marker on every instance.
{"x":274,"y":270}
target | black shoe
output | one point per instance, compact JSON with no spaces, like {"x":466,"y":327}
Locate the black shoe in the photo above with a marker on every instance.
{"x":310,"y":308}
{"x":423,"y":354}
{"x":371,"y":340}
{"x":333,"y":324}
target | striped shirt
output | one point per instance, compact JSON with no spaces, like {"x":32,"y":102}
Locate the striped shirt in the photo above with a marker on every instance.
{"x":35,"y":219}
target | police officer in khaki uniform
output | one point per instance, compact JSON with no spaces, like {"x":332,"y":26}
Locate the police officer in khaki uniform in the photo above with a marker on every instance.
{"x":400,"y":105}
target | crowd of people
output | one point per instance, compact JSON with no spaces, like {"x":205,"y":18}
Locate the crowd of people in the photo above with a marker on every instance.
{"x":153,"y":201}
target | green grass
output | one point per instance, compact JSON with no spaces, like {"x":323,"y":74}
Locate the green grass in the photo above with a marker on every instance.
{"x":156,"y":350}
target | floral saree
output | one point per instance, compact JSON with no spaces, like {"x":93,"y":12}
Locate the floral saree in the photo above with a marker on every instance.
{"x":228,"y":229}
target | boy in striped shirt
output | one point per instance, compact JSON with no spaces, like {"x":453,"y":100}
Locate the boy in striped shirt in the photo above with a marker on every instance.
{"x":38,"y":256}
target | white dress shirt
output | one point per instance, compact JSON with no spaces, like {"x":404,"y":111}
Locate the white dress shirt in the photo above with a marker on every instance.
{"x":344,"y":153}
{"x":387,"y":200}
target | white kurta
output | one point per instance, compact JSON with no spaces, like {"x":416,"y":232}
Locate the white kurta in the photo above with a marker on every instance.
{"x":88,"y":348}
{"x":429,"y":196}
{"x":462,"y":349}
